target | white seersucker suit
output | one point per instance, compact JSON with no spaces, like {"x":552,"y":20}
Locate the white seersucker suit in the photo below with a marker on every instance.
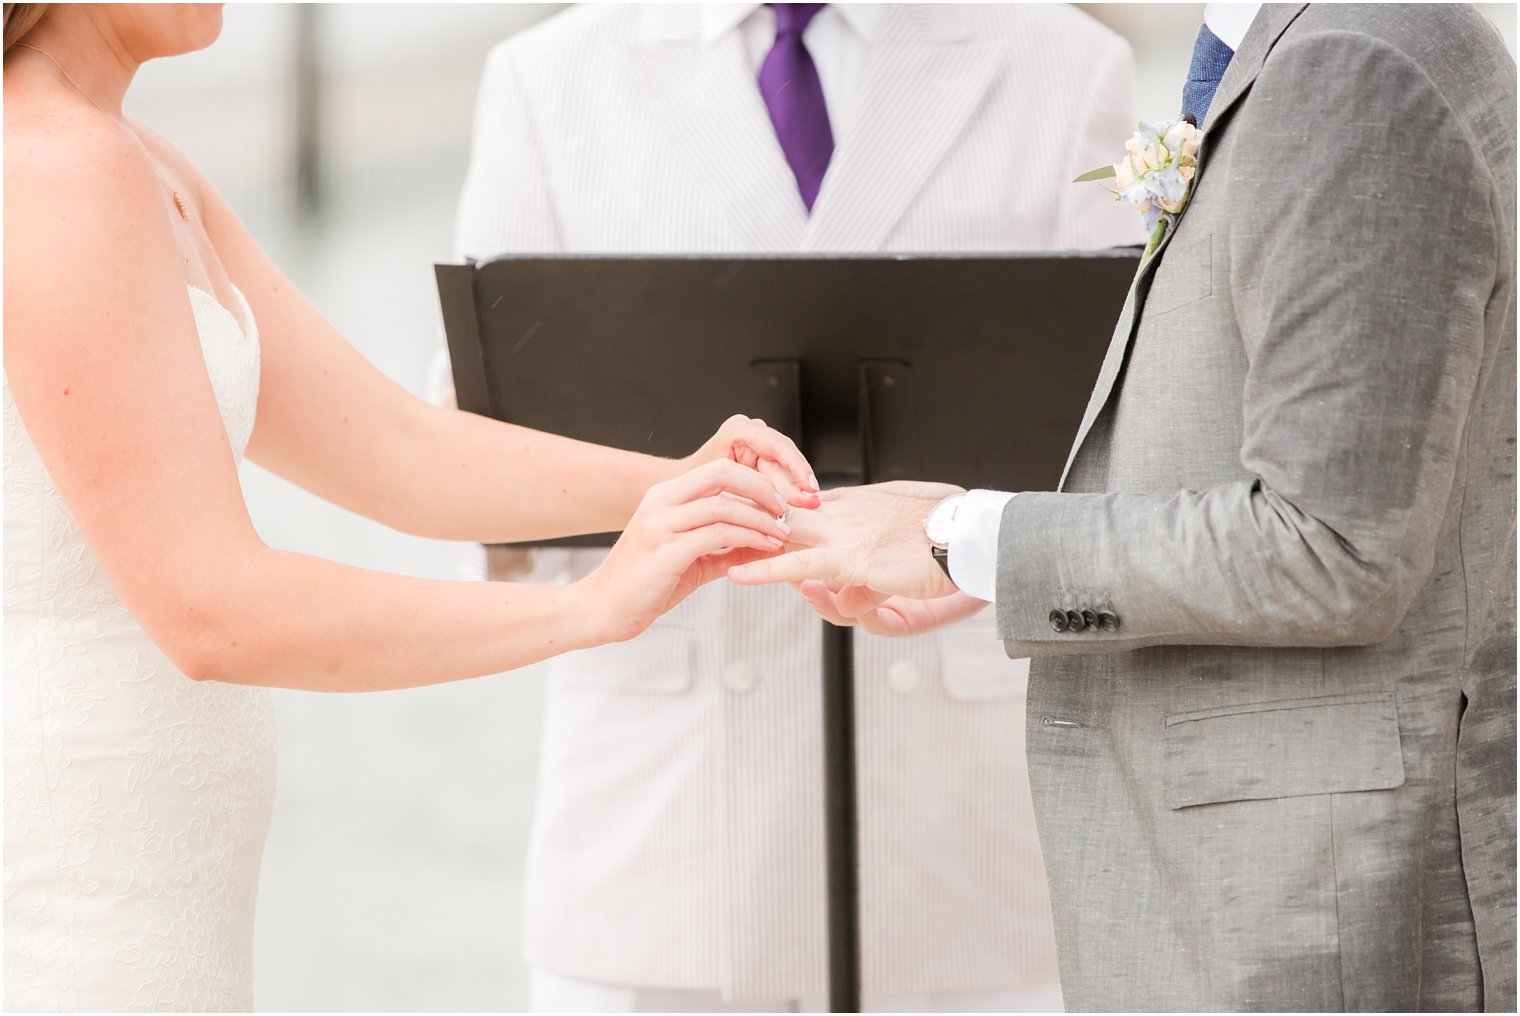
{"x":678,"y":841}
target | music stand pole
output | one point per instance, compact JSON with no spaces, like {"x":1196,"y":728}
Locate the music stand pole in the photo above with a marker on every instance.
{"x":842,"y":856}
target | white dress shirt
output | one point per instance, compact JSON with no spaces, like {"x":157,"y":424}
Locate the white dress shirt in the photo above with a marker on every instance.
{"x":974,"y":544}
{"x":1230,"y":22}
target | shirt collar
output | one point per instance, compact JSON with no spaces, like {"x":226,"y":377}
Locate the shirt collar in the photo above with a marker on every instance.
{"x":719,"y":19}
{"x":863,"y":19}
{"x":1230,"y":22}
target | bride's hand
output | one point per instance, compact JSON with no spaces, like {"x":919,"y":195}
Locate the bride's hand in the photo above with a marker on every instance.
{"x":751,"y":443}
{"x":686,"y":532}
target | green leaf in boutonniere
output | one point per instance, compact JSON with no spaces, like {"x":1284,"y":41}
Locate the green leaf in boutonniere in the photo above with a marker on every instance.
{"x":1101,"y":173}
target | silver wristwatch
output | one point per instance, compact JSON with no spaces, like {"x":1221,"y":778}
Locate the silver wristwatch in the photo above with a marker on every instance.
{"x":939,"y":527}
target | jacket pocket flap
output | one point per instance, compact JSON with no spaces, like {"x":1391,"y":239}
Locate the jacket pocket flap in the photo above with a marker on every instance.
{"x":658,"y":662}
{"x":1331,"y":744}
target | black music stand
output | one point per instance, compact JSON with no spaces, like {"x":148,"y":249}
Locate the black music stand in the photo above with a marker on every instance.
{"x":969,"y":369}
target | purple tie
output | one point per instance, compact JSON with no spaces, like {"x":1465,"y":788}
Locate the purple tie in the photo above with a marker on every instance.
{"x":794,"y":98}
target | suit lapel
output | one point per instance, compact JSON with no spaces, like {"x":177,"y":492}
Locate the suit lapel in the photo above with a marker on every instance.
{"x":709,"y":110}
{"x":923,"y":79}
{"x":1244,"y":67}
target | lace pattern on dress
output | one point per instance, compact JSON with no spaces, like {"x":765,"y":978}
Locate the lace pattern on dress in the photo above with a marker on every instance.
{"x":136,"y":799}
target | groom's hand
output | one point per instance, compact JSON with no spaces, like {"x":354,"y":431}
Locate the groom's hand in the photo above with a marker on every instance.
{"x":886,"y":615}
{"x":863,"y":536}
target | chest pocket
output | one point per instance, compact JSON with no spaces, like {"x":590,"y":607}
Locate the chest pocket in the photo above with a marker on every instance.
{"x":1184,"y":276}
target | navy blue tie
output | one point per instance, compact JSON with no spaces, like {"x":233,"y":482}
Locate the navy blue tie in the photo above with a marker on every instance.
{"x":1210,"y":58}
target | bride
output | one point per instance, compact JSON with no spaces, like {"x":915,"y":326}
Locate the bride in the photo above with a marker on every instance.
{"x":148,"y":345}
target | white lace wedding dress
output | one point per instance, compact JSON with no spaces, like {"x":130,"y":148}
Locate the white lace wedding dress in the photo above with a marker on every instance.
{"x":136,"y":800}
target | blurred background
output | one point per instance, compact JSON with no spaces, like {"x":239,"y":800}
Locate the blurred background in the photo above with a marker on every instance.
{"x":340,"y":133}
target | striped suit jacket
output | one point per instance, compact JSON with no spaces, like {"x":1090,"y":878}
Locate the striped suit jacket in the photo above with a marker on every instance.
{"x":678,"y":837}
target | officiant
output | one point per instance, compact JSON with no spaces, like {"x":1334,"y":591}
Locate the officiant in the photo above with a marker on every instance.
{"x":677,"y":854}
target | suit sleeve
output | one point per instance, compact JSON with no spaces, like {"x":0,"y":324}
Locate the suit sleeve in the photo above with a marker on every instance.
{"x":1362,"y":258}
{"x":506,"y":204}
{"x":1092,"y":219}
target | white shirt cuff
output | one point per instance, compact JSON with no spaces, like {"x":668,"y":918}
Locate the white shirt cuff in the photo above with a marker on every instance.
{"x":974,"y":543}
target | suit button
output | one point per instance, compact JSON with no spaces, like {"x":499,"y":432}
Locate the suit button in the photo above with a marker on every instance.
{"x":1074,"y":620}
{"x":1108,"y":620}
{"x":1090,"y":620}
{"x":1058,"y":620}
{"x":902,"y":677}
{"x":740,"y":677}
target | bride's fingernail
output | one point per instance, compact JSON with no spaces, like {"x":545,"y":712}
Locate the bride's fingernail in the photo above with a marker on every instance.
{"x":813,"y":482}
{"x":786,"y":530}
{"x":775,"y":542}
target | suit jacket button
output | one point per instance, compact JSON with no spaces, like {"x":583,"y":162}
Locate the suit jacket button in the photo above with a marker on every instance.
{"x":1090,"y":620}
{"x":1074,"y":620}
{"x":740,"y":677}
{"x":1058,"y":620}
{"x":902,"y":677}
{"x":1108,"y":620}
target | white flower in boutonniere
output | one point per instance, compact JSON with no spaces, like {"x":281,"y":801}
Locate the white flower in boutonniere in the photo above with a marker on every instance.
{"x":1156,"y":175}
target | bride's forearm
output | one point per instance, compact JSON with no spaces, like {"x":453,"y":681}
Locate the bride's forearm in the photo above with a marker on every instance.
{"x":471,"y":478}
{"x":291,"y":621}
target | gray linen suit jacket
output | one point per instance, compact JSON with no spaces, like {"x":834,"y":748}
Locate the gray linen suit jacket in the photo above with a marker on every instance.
{"x":1286,"y":781}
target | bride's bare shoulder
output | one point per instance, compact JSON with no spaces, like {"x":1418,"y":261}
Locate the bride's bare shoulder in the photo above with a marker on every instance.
{"x":48,"y":129}
{"x":84,"y":217}
{"x":70,"y":172}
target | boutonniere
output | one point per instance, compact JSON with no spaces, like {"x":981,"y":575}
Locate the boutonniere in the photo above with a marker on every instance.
{"x":1156,"y":175}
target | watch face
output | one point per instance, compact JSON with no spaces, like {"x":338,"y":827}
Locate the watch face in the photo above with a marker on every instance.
{"x":940,"y":524}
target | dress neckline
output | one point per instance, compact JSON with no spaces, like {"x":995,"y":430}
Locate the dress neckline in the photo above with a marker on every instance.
{"x":243,"y":325}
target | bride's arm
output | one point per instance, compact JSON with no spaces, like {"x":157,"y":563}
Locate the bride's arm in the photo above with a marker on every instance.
{"x":333,"y":423}
{"x":103,"y":359}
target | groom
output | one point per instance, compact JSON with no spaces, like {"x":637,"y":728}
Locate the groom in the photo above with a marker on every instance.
{"x":1271,"y":724}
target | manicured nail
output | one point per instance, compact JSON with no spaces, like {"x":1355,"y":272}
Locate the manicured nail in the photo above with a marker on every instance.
{"x":813,"y":482}
{"x":775,"y":542}
{"x":786,"y":530}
